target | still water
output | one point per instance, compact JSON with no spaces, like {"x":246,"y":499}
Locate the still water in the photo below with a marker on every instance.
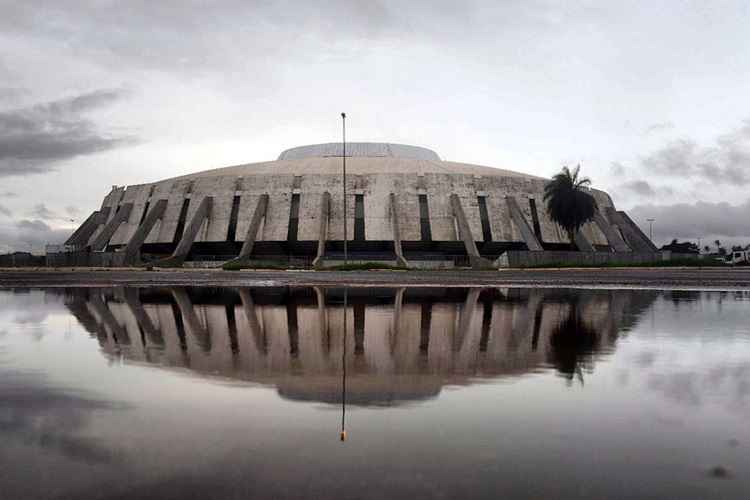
{"x":443,"y":393}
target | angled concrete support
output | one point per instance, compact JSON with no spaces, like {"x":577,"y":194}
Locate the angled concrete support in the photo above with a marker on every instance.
{"x":118,"y":334}
{"x":252,"y":230}
{"x":464,"y":232}
{"x":100,"y":243}
{"x":398,"y":305}
{"x":466,"y":318}
{"x":193,"y":326}
{"x":133,"y":302}
{"x":400,"y":260}
{"x":188,"y":236}
{"x":613,"y":235}
{"x":248,"y":306}
{"x":325,"y":206}
{"x":523,"y":226}
{"x":133,"y":249}
{"x":82,"y":235}
{"x":582,"y":243}
{"x":633,"y":235}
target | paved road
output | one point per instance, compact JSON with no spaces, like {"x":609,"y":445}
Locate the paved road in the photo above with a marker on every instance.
{"x":727,"y":278}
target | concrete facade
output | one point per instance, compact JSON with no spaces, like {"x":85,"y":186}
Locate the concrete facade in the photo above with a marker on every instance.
{"x":499,"y":210}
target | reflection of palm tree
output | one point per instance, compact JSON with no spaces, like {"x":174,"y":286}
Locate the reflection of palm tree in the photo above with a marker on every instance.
{"x":572,"y":342}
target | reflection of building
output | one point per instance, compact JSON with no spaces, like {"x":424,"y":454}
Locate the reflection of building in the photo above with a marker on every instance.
{"x":401,"y":344}
{"x":404,"y":203}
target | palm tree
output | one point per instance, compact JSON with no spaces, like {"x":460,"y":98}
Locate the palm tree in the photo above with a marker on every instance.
{"x":568,"y":201}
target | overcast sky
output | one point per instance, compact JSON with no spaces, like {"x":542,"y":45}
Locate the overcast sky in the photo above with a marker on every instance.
{"x":651,"y":98}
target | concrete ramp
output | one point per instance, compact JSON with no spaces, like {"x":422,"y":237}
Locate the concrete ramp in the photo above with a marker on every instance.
{"x":400,"y":260}
{"x":122,"y":215}
{"x":252,"y":231}
{"x":582,"y":243}
{"x":188,"y":236}
{"x":325,"y":207}
{"x":523,"y":226}
{"x":464,"y":232}
{"x":82,"y":235}
{"x":633,"y":235}
{"x":613,"y":235}
{"x":133,"y":249}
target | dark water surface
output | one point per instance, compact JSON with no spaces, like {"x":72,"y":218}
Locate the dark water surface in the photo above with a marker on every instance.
{"x":450,"y":393}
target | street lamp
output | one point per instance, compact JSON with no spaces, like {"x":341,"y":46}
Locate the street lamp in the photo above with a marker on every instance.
{"x":343,"y":163}
{"x":651,"y":229}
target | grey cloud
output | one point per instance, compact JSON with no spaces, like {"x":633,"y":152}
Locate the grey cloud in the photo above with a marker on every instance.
{"x":726,"y":162}
{"x":659,"y":127}
{"x":692,"y":388}
{"x":192,"y":36}
{"x":72,"y":210}
{"x":645,"y":189}
{"x":617,"y":169}
{"x":5,"y":211}
{"x":8,"y":194}
{"x":20,"y":234}
{"x":40,"y":211}
{"x":642,"y":188}
{"x":33,"y":139}
{"x":697,"y":220}
{"x":11,"y":93}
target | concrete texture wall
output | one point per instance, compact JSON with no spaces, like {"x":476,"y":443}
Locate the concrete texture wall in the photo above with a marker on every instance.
{"x":373,"y":178}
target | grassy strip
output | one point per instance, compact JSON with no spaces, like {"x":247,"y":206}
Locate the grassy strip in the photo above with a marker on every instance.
{"x":259,"y":264}
{"x":657,"y":263}
{"x":366,"y":266}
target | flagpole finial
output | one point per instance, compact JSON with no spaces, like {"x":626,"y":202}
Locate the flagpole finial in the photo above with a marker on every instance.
{"x":343,"y":115}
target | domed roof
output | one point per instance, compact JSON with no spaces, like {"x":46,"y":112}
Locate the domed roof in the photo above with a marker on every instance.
{"x":363,"y":158}
{"x":360,"y":149}
{"x":331,"y":165}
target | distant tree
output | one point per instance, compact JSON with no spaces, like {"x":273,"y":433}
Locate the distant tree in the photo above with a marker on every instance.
{"x":681,"y":247}
{"x":568,"y":201}
{"x":722,"y":251}
{"x":718,"y":245}
{"x":707,"y":249}
{"x":737,"y":248}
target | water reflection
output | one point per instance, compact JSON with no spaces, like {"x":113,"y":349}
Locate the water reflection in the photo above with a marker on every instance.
{"x":35,"y":413}
{"x":397,"y":345}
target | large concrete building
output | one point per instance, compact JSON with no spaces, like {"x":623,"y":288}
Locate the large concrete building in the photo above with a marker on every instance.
{"x":404,"y":204}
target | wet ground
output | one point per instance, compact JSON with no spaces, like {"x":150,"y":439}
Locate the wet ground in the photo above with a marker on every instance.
{"x":443,"y":392}
{"x":719,"y":278}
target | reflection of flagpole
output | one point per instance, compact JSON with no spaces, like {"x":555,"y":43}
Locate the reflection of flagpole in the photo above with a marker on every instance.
{"x":343,"y":374}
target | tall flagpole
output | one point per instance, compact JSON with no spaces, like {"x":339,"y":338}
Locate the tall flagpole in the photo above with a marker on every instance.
{"x":343,"y":158}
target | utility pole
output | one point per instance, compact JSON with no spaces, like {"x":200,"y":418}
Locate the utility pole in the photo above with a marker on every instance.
{"x":343,"y":162}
